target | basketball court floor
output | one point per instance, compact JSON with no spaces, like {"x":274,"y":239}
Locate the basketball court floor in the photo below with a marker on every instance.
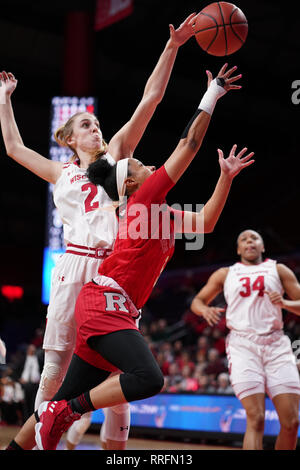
{"x":90,"y":441}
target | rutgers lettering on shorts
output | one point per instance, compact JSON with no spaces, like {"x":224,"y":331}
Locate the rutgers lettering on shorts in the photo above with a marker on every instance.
{"x":119,"y":303}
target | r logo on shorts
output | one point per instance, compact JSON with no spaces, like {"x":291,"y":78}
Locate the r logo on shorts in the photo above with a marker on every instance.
{"x":115,"y":302}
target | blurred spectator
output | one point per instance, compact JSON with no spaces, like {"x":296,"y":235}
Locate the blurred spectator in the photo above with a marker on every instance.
{"x":11,"y":400}
{"x":163,"y":363}
{"x":215,"y":365}
{"x":185,"y":360}
{"x":218,"y":341}
{"x":204,"y":385}
{"x":38,"y":338}
{"x":188,"y":383}
{"x":173,"y":378}
{"x":177,"y":348}
{"x":203,"y":344}
{"x":30,"y":379}
{"x":158,"y":330}
{"x":224,"y":384}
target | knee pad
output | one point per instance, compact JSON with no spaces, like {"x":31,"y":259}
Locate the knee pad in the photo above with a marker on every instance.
{"x":151,"y":383}
{"x":78,"y":429}
{"x":116,"y":424}
{"x":51,"y":380}
{"x":120,"y":409}
{"x":142,"y":384}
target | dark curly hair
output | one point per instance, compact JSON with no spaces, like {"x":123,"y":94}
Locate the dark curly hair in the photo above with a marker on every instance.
{"x":103,"y":173}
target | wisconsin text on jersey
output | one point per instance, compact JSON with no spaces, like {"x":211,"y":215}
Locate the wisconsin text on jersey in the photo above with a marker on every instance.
{"x":78,"y":178}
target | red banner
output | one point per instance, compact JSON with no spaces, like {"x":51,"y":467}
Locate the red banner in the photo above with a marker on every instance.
{"x":111,"y":11}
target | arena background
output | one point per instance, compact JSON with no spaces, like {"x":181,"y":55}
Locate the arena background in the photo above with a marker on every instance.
{"x":38,"y":48}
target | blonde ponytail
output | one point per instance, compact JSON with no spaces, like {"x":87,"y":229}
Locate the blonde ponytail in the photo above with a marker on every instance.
{"x":59,"y":136}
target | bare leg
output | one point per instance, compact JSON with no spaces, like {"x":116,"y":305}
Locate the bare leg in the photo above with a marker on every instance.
{"x":108,"y":393}
{"x":255,"y":410}
{"x":26,"y":436}
{"x":287,"y":407}
{"x":115,"y":445}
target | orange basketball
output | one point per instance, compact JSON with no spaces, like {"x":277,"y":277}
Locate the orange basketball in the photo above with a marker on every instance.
{"x":221,"y":28}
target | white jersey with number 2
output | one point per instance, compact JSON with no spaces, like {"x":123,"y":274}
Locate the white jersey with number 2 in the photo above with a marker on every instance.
{"x":249,"y":309}
{"x":85,"y":209}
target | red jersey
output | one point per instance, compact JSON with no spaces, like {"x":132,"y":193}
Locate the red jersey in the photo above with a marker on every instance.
{"x":145,"y":241}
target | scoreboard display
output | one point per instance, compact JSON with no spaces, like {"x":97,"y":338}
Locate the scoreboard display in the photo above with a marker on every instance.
{"x":62,"y":108}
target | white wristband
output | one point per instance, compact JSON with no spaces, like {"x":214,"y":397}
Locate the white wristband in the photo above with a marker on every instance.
{"x":211,"y":96}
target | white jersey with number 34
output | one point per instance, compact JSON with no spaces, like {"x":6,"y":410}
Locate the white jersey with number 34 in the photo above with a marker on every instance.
{"x":86,"y":211}
{"x":249,"y":309}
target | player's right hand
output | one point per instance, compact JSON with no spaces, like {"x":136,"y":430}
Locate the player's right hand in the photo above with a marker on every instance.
{"x":212,"y":315}
{"x":8,"y":82}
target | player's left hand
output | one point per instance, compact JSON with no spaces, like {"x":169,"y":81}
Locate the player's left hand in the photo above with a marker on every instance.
{"x":275,"y":298}
{"x":186,"y":30}
{"x":227,"y":77}
{"x":233,"y":164}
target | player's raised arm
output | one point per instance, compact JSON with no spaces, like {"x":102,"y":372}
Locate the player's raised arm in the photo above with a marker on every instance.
{"x":194,"y":133}
{"x":15,"y":148}
{"x":124,"y":142}
{"x":205,"y":220}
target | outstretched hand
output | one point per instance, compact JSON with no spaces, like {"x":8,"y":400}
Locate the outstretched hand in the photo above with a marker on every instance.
{"x":185,"y":31}
{"x":226,"y":76}
{"x":233,"y":164}
{"x":8,"y":83}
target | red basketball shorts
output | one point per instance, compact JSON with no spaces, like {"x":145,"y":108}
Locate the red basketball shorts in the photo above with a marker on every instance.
{"x":101,"y":310}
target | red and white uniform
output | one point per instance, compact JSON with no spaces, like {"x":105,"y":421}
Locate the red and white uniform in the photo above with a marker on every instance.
{"x":258,"y":352}
{"x":90,"y":228}
{"x":126,"y":277}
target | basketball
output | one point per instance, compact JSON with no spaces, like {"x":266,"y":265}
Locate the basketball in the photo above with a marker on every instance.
{"x":221,"y":28}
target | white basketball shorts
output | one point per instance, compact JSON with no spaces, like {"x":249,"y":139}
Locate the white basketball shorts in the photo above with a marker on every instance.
{"x":267,"y":361}
{"x":69,"y":275}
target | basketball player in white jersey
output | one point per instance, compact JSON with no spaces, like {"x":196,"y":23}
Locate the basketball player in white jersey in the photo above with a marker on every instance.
{"x":260,"y":356}
{"x":90,"y":227}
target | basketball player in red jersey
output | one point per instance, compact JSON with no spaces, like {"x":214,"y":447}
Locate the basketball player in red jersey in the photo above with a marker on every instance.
{"x":106,"y":309}
{"x":85,"y":229}
{"x":260,"y":357}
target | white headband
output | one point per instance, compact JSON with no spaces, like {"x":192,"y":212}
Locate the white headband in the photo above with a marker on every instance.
{"x":121,"y":174}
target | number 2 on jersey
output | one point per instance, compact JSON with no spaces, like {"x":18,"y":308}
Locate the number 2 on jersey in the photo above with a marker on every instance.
{"x":258,"y":284}
{"x":88,"y":204}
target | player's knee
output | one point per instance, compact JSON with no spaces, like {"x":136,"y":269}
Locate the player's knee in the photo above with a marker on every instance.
{"x":256,"y":419}
{"x":51,"y":379}
{"x":151,"y":382}
{"x":120,"y":409}
{"x":290,"y":424}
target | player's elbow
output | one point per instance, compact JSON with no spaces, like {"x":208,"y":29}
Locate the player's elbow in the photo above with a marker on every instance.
{"x":193,"y":306}
{"x":209,"y":226}
{"x":153,"y":97}
{"x":11,"y":149}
